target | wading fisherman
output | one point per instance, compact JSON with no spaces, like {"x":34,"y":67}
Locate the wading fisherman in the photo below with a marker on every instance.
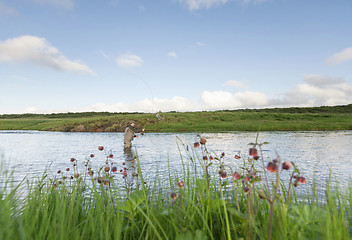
{"x":130,"y":134}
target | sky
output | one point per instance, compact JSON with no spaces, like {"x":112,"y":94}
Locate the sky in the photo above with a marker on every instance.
{"x":173,"y":55}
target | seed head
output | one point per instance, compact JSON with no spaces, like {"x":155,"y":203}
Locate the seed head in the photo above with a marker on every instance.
{"x":205,"y":157}
{"x":256,"y":157}
{"x":111,"y":156}
{"x":92,"y":155}
{"x":114,"y":169}
{"x":223,"y":174}
{"x":58,"y":172}
{"x":67,"y":169}
{"x":72,"y":159}
{"x":196,"y":145}
{"x":100,"y":148}
{"x":106,"y":168}
{"x":237,"y":157}
{"x":76,"y":175}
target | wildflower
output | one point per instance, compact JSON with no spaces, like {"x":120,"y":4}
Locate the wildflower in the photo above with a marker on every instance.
{"x":90,"y":172}
{"x":114,"y":169}
{"x":302,"y":180}
{"x":256,"y":157}
{"x":295,"y":184}
{"x":124,"y":173}
{"x":123,"y":163}
{"x":71,"y":177}
{"x":173,"y":196}
{"x":67,"y":169}
{"x":246,"y":189}
{"x":58,"y":172}
{"x":72,"y":159}
{"x":180,"y":184}
{"x":272,"y":167}
{"x":99,"y":180}
{"x":211,"y":158}
{"x":202,"y":141}
{"x":106,"y":182}
{"x":92,"y":155}
{"x":106,"y":168}
{"x":145,"y":182}
{"x":261,"y":194}
{"x":205,"y":157}
{"x":111,"y":156}
{"x":237,"y":157}
{"x":223,"y":174}
{"x":236,"y":175}
{"x":100,"y":148}
{"x":76,"y":175}
{"x":253,"y":152}
{"x":222,"y":154}
{"x":196,"y":144}
{"x":286,"y":165}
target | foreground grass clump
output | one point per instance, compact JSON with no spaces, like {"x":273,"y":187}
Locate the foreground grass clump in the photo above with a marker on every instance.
{"x":210,"y":200}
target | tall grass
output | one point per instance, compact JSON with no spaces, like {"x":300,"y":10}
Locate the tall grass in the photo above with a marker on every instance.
{"x":205,"y":202}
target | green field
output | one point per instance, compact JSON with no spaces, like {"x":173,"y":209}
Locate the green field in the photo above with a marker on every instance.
{"x":274,"y":119}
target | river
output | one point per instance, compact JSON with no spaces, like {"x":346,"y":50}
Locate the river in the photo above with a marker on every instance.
{"x":316,"y":153}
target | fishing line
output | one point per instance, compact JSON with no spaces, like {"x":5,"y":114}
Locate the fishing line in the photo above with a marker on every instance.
{"x":157,"y":114}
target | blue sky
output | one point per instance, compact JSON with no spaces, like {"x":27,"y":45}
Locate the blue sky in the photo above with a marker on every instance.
{"x":181,"y":55}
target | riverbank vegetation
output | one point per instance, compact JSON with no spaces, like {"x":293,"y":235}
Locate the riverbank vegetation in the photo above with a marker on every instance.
{"x":209,"y":200}
{"x":274,"y":119}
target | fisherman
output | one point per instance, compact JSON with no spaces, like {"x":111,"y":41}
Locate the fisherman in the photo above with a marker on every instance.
{"x":130,"y":134}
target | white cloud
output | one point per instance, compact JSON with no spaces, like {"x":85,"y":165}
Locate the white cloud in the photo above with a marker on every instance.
{"x":146,"y":105}
{"x":340,"y":57}
{"x":254,"y":1}
{"x":129,"y":60}
{"x":226,"y":100}
{"x":38,"y":51}
{"x":199,"y":4}
{"x":200,"y":44}
{"x":68,"y":4}
{"x":172,"y":54}
{"x":237,"y":84}
{"x":317,"y":91}
{"x":6,"y":11}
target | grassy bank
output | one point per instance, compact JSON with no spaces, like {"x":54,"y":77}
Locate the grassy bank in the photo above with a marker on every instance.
{"x":277,"y":119}
{"x":208,"y":202}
